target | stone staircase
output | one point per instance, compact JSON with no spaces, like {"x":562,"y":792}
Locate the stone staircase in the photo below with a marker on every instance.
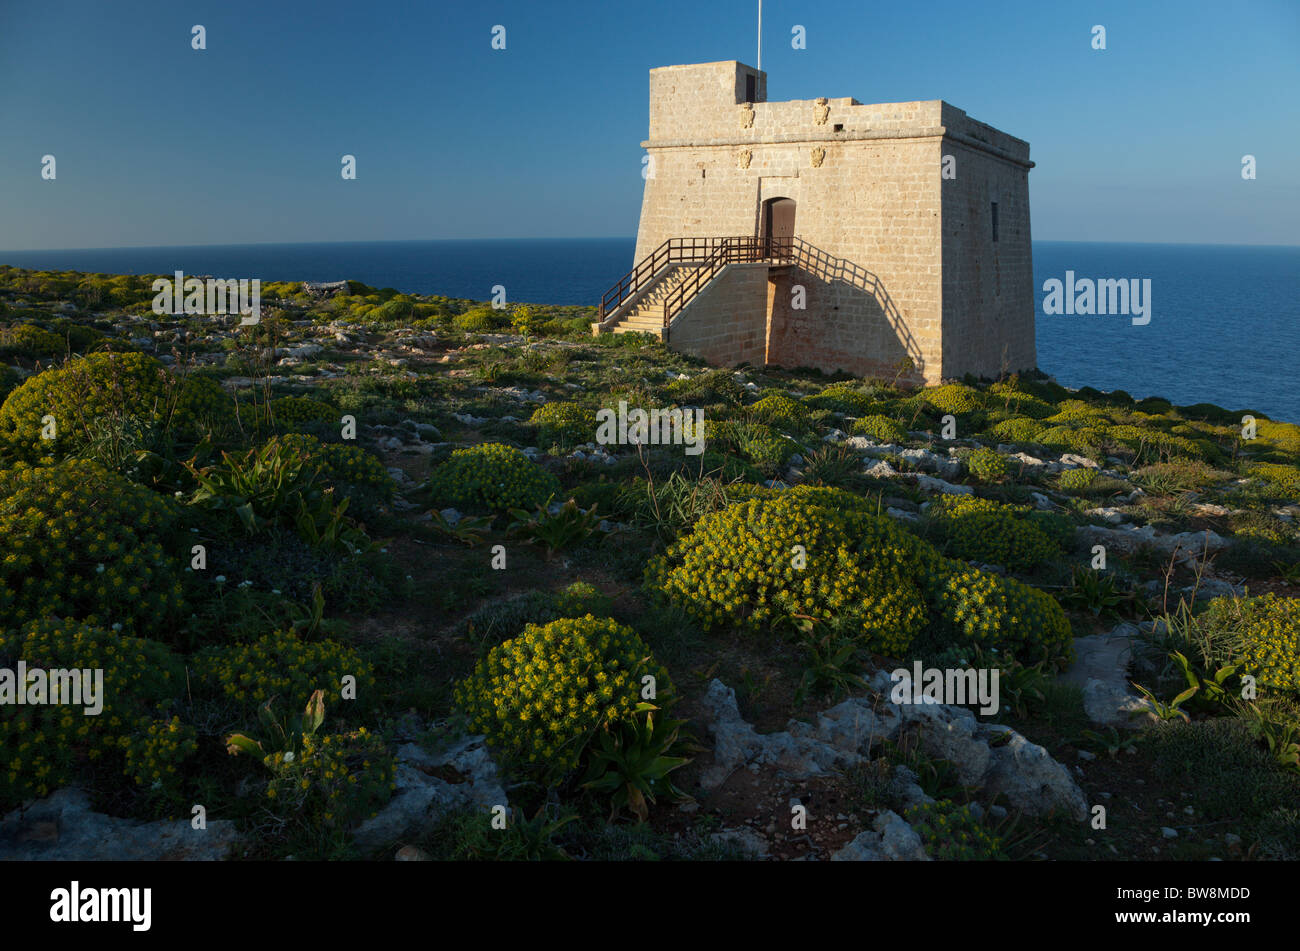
{"x":663,"y":283}
{"x":644,"y":313}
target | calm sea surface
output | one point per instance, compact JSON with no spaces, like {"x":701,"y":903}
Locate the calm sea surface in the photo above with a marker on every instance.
{"x":1225,"y":321}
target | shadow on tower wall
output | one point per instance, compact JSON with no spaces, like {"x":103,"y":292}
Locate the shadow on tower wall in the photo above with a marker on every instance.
{"x":849,"y":321}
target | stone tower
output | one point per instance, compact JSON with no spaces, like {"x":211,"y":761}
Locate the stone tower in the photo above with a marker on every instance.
{"x":826,"y":233}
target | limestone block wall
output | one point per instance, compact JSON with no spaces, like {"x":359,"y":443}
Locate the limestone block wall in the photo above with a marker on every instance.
{"x":843,"y":327}
{"x":988,"y":286}
{"x":694,"y":101}
{"x":726,"y":323}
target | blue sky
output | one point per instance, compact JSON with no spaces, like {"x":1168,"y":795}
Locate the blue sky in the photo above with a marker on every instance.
{"x":157,"y":144}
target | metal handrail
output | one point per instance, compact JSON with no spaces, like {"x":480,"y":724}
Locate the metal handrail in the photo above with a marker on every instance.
{"x":674,"y":250}
{"x":743,"y":249}
{"x":712,"y":254}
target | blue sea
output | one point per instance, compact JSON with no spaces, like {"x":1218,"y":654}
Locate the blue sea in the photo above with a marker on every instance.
{"x":1224,"y":328}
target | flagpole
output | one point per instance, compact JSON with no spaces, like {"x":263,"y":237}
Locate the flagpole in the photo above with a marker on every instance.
{"x":760,"y":35}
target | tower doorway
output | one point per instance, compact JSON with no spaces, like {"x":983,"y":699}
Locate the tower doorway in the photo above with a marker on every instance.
{"x":778,"y":227}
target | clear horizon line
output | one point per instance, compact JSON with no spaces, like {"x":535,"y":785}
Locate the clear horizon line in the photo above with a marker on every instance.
{"x":246,"y":244}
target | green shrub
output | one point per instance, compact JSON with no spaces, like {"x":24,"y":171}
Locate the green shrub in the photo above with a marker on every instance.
{"x":279,"y":482}
{"x":580,"y":599}
{"x":780,"y":410}
{"x":282,"y":666}
{"x":914,"y":412}
{"x":81,"y":541}
{"x":1018,"y":430}
{"x":987,"y":465}
{"x":501,"y":620}
{"x":480,"y":320}
{"x":564,"y":424}
{"x":542,"y":697}
{"x":1018,"y":402}
{"x":1000,"y":614}
{"x":45,"y":746}
{"x":1082,"y":441}
{"x":116,"y":385}
{"x":332,"y":781}
{"x":843,"y":398}
{"x":711,"y":386}
{"x":954,"y":398}
{"x":392,"y":311}
{"x":951,"y":833}
{"x":1147,"y":443}
{"x":1226,"y":771}
{"x":738,"y":568}
{"x":492,"y":477}
{"x":1076,"y":480}
{"x":290,"y":412}
{"x":29,"y":340}
{"x":1155,"y":406}
{"x":986,"y":531}
{"x":1281,"y":481}
{"x":765,"y":447}
{"x":880,"y":428}
{"x":9,"y":379}
{"x":1267,"y":632}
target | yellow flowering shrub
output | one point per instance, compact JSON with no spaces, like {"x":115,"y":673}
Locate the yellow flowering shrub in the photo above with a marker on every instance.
{"x":954,"y":398}
{"x":29,"y":340}
{"x":951,"y":833}
{"x":202,"y":406}
{"x":480,"y":320}
{"x":983,"y":530}
{"x":82,"y":541}
{"x":1284,"y":436}
{"x":1078,"y":412}
{"x":290,"y":412}
{"x":1076,"y":480}
{"x":1082,"y":441}
{"x":43,"y":747}
{"x":1010,"y":396}
{"x":738,"y":568}
{"x":155,"y":754}
{"x":113,"y":385}
{"x":768,"y":559}
{"x":781,"y":410}
{"x":1019,"y":429}
{"x":1283,"y":481}
{"x":491,"y":477}
{"x":880,"y":428}
{"x":564,"y":424}
{"x":280,"y":665}
{"x":333,"y":780}
{"x":353,"y":466}
{"x":999,"y":613}
{"x":541,"y":697}
{"x":345,"y":465}
{"x":987,"y":465}
{"x":843,"y":398}
{"x":1147,"y":442}
{"x":1268,"y":631}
